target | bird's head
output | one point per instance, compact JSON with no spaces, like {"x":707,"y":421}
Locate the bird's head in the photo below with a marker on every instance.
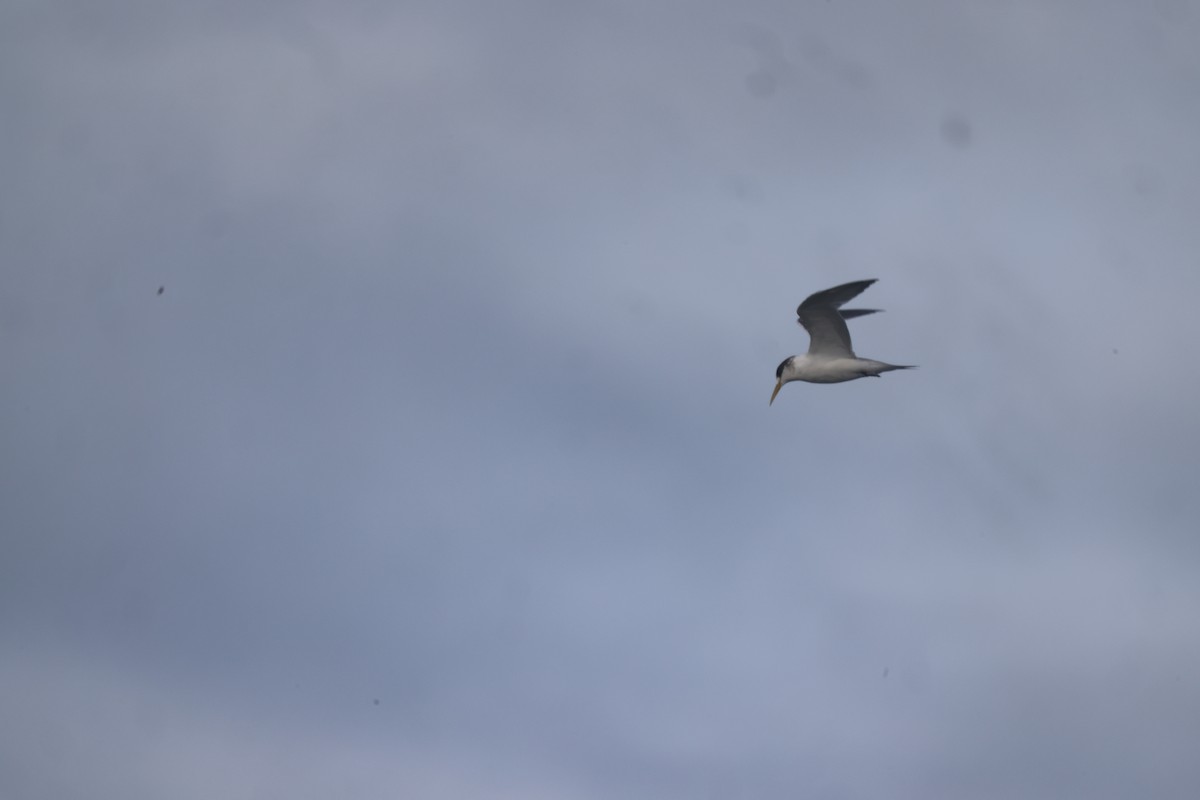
{"x":780,"y":380}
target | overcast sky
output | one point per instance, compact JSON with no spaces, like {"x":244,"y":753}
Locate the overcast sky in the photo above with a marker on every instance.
{"x":384,"y":400}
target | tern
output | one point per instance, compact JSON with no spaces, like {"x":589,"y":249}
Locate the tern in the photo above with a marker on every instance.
{"x":830,"y":358}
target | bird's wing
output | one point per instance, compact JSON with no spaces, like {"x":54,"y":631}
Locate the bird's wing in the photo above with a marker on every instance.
{"x":827,"y":331}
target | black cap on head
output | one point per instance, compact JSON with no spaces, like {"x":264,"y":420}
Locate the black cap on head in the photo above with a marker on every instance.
{"x":779,"y":370}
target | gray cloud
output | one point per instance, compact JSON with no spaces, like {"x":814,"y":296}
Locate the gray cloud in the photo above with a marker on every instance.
{"x":443,"y":466}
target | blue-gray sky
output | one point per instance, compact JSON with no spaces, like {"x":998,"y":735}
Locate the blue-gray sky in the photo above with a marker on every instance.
{"x":442,"y":467}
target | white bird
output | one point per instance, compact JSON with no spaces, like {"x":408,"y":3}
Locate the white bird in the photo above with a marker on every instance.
{"x":830,"y":359}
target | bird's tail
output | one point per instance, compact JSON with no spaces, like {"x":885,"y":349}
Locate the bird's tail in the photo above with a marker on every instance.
{"x":880,"y":367}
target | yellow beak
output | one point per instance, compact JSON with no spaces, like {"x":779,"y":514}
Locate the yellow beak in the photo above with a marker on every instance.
{"x":778,"y":386}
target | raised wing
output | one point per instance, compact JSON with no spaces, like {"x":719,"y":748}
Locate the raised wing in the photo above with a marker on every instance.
{"x":851,"y":313}
{"x":826,"y":326}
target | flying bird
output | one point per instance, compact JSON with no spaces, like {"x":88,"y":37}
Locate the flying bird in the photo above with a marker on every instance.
{"x":830,"y":358}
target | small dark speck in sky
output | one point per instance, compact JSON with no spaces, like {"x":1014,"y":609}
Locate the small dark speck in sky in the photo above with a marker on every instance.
{"x":161,"y":289}
{"x":956,"y":131}
{"x":376,"y":701}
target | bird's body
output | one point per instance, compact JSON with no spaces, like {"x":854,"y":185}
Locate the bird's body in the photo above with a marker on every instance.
{"x":830,"y":358}
{"x":832,"y":370}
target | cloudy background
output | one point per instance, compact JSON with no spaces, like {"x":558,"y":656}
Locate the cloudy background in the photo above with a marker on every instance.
{"x":442,"y":466}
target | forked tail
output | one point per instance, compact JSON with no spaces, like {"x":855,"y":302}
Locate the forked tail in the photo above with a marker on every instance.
{"x":880,"y":367}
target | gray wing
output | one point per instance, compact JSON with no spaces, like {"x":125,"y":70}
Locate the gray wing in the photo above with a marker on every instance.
{"x":826,"y":326}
